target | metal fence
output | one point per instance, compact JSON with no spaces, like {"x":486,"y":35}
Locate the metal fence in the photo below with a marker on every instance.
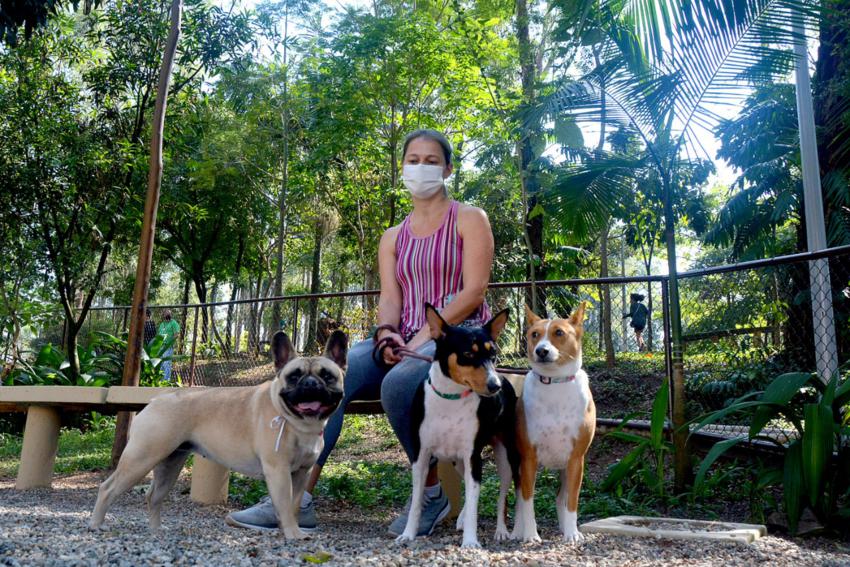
{"x":226,"y":343}
{"x":742,"y":325}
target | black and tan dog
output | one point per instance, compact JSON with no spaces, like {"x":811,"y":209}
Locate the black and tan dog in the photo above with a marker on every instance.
{"x":462,"y":407}
{"x":271,"y":431}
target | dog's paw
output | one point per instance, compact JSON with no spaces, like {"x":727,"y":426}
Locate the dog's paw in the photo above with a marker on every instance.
{"x":470,"y":544}
{"x":502,"y":534}
{"x":97,"y":527}
{"x":532,"y":537}
{"x":573,"y":537}
{"x":405,"y":538}
{"x":295,"y":533}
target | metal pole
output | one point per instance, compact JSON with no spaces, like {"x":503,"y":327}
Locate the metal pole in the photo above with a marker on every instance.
{"x":823,"y":319}
{"x":194,"y":348}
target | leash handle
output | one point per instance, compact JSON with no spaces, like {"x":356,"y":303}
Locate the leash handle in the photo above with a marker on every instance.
{"x":381,"y":344}
{"x":390,"y":342}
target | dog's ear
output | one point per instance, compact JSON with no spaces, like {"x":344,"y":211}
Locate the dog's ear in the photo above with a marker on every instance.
{"x":530,"y":317}
{"x":436,"y":323}
{"x":577,"y":318}
{"x":337,"y":348}
{"x":496,"y":325}
{"x":282,"y":350}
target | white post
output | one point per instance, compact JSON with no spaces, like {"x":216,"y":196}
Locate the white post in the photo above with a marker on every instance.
{"x":823,"y":320}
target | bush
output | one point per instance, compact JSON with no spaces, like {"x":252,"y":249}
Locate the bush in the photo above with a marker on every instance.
{"x":101,"y":364}
{"x":816,"y":468}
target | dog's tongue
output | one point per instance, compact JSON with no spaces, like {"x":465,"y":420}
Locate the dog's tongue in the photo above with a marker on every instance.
{"x":309,"y":406}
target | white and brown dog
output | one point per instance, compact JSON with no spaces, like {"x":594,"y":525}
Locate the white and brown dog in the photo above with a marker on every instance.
{"x":556,"y":419}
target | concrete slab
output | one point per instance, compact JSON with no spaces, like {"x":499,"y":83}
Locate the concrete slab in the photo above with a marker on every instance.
{"x":52,"y":395}
{"x":133,"y":395}
{"x":676,"y":528}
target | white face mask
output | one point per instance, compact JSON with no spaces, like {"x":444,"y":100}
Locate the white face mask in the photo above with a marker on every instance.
{"x":422,"y":180}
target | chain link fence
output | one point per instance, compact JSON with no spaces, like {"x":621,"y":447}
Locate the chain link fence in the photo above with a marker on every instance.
{"x":227,"y":343}
{"x":742,"y":325}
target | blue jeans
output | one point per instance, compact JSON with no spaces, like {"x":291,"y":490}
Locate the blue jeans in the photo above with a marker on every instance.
{"x":166,"y":364}
{"x":396,"y":387}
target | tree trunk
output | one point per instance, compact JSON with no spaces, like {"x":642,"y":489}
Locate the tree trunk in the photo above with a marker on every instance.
{"x":529,"y":183}
{"x":201,"y":291}
{"x":233,"y":292}
{"x":71,"y":349}
{"x":624,"y":327}
{"x":282,"y":204}
{"x":681,"y":456}
{"x":132,"y":362}
{"x":369,"y":282}
{"x":649,"y":333}
{"x":240,"y":320}
{"x":311,"y":344}
{"x":254,"y":320}
{"x":185,"y":313}
{"x":213,"y":326}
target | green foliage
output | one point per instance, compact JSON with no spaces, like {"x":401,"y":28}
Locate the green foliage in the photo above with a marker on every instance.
{"x":85,"y":449}
{"x":101,"y":364}
{"x":817,"y":459}
{"x":764,"y":143}
{"x":645,"y":463}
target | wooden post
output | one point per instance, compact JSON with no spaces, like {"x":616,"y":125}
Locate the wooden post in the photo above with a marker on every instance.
{"x":132,"y":362}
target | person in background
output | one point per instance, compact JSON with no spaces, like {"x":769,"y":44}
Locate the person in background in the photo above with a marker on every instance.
{"x":169,"y":328}
{"x":639,"y":313}
{"x":150,"y":327}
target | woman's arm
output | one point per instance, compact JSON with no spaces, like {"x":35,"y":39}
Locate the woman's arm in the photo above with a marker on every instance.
{"x":389,"y":303}
{"x":474,"y":229}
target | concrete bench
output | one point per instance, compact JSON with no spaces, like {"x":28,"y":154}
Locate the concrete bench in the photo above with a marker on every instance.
{"x":44,"y":406}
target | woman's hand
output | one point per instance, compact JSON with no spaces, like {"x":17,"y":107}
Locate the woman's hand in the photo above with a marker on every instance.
{"x":390,"y":358}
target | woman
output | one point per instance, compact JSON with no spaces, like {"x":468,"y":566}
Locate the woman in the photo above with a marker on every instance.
{"x":441,"y":253}
{"x":638,"y":312}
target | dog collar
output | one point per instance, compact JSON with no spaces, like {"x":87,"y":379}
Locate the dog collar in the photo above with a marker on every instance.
{"x":280,"y":421}
{"x":554,"y":380}
{"x":449,"y":396}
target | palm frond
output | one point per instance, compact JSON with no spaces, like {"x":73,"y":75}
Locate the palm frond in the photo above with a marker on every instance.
{"x":583,"y":197}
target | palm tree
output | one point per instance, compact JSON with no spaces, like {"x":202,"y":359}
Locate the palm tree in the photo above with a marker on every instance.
{"x":665,"y":67}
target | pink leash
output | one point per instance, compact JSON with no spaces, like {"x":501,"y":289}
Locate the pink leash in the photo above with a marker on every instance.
{"x":404,"y":352}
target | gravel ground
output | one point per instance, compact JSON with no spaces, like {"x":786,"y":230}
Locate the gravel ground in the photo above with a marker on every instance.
{"x":44,"y":527}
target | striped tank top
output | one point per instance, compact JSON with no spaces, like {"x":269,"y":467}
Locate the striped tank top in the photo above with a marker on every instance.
{"x":430,"y":269}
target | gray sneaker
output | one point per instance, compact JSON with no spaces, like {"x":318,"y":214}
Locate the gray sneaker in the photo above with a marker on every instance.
{"x":262,"y":516}
{"x":433,"y":511}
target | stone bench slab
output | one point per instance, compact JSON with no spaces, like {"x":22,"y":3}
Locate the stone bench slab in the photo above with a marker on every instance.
{"x":131,"y":395}
{"x":52,"y":395}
